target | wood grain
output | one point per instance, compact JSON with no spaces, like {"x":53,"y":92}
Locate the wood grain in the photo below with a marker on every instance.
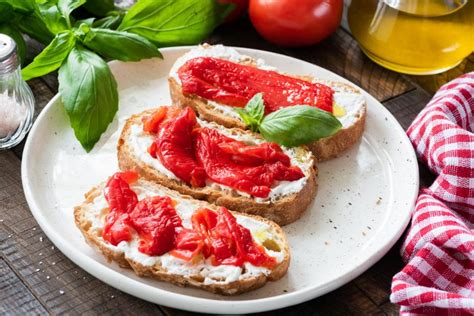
{"x":405,"y":107}
{"x":15,"y":296}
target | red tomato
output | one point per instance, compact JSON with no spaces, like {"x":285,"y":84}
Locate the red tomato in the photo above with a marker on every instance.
{"x":295,"y":23}
{"x":240,"y":7}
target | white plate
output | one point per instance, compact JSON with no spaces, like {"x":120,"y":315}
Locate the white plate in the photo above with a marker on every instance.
{"x":362,"y":207}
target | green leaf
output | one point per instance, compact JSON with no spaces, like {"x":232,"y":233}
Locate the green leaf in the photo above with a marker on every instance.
{"x":51,"y":57}
{"x":256,"y":108}
{"x":49,"y":13}
{"x":109,"y":22}
{"x":247,"y":118}
{"x":67,"y":6}
{"x":7,"y":13}
{"x":21,"y":6}
{"x":16,"y":35}
{"x":120,"y":45}
{"x":172,"y":22}
{"x":89,"y":93}
{"x":35,"y":27}
{"x":100,"y":7}
{"x":252,"y":114}
{"x":298,"y":125}
{"x":89,"y":22}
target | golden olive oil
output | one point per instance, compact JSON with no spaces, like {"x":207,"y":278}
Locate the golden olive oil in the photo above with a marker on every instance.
{"x":414,"y":36}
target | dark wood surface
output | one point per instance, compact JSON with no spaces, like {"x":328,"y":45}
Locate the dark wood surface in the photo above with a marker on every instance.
{"x":35,"y":278}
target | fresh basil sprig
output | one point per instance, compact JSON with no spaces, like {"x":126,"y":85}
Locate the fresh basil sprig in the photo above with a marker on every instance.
{"x":89,"y":93}
{"x":252,"y":114}
{"x":290,"y":126}
{"x":87,"y":87}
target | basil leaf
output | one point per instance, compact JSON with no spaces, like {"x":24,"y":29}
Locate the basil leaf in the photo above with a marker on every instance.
{"x":109,"y":22}
{"x":67,"y":6}
{"x":99,"y":7}
{"x":7,"y":13}
{"x":35,"y":27}
{"x":172,"y":22}
{"x":255,"y":107}
{"x":16,"y":35}
{"x":252,"y":114}
{"x":298,"y":125}
{"x":249,"y":121}
{"x":51,"y":16}
{"x":120,"y":45}
{"x":51,"y":57}
{"x":21,"y":6}
{"x":89,"y":93}
{"x":89,"y":22}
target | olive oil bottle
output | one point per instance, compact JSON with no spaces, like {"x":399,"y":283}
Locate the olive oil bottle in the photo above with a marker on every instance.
{"x":414,"y":36}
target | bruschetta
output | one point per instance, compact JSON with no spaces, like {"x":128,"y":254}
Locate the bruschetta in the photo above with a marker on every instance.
{"x":214,"y":80}
{"x":229,"y":167}
{"x":162,"y":234}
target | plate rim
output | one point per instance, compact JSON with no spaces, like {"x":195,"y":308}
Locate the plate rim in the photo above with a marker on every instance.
{"x":198,"y":304}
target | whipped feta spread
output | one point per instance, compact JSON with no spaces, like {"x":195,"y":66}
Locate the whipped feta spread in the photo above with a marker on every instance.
{"x":352,"y":102}
{"x":139,"y":141}
{"x":222,"y":274}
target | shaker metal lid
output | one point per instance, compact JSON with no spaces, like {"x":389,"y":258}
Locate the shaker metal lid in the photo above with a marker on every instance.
{"x":7,"y":47}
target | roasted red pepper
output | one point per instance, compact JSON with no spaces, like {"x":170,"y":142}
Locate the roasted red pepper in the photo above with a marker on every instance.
{"x":195,"y":154}
{"x":155,"y":220}
{"x":122,"y":200}
{"x":226,"y":241}
{"x":251,"y":169}
{"x":175,"y":149}
{"x":234,"y":84}
{"x":215,"y":235}
{"x":189,"y":244}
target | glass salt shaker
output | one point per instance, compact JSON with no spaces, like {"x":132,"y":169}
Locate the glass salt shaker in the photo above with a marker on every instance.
{"x":16,"y":99}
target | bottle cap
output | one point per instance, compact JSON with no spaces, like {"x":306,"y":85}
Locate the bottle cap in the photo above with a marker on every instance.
{"x":7,"y":47}
{"x":8,"y":56}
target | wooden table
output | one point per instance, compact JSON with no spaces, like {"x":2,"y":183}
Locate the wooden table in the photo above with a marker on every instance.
{"x":35,"y":278}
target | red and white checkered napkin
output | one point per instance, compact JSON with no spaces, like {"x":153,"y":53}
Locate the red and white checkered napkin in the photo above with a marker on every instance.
{"x":439,"y":248}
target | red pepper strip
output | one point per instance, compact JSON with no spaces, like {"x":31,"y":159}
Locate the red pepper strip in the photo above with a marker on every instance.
{"x":234,"y":84}
{"x":155,"y":220}
{"x":121,"y":200}
{"x":225,"y":168}
{"x":189,"y":244}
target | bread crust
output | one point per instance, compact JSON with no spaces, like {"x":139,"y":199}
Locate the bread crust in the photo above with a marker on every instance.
{"x":324,"y":149}
{"x":94,"y":239}
{"x":283,"y":211}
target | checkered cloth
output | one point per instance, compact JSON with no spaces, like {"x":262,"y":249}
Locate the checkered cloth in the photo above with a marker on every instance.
{"x":439,"y":248}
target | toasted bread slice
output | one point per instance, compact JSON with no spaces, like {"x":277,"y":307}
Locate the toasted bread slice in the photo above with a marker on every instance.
{"x":226,"y":280}
{"x":350,"y":103}
{"x":286,"y":203}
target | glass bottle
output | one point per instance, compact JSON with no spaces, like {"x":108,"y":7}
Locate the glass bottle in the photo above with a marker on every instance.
{"x":16,"y":99}
{"x":414,"y":36}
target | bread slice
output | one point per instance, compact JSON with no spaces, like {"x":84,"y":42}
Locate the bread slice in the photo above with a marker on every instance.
{"x":226,"y":280}
{"x":323,"y":149}
{"x":282,"y":208}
